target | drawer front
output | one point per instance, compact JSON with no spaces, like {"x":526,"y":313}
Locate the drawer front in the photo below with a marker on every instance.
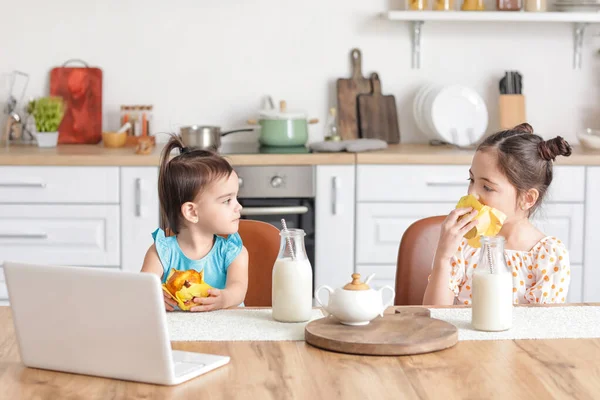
{"x":60,"y":235}
{"x":20,"y":185}
{"x":435,"y":183}
{"x":380,"y":227}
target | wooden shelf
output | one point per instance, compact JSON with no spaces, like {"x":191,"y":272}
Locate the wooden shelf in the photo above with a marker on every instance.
{"x":417,"y":18}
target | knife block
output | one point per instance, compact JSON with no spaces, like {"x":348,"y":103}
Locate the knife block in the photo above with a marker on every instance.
{"x":511,"y":110}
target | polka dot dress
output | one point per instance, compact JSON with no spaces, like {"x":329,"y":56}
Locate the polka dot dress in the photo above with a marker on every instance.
{"x":541,"y":275}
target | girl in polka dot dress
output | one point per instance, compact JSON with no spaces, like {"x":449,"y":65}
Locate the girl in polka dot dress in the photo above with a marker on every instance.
{"x":511,"y":171}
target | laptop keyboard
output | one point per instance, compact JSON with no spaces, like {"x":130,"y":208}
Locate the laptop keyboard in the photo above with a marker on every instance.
{"x":182,"y":368}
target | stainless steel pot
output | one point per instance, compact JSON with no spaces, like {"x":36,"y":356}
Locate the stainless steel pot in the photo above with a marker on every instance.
{"x":204,"y":136}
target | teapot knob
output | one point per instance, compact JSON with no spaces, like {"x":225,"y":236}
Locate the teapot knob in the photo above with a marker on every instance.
{"x":356,"y":284}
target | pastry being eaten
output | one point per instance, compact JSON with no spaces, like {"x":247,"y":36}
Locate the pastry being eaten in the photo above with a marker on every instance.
{"x":489,"y":220}
{"x":183,"y":286}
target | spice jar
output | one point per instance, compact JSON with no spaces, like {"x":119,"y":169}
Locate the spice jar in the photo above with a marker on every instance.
{"x":417,"y":5}
{"x":443,"y":5}
{"x":536,"y":5}
{"x":472,"y":5}
{"x":509,"y":5}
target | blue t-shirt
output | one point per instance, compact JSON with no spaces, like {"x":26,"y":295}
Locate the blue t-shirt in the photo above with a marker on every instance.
{"x":214,"y":264}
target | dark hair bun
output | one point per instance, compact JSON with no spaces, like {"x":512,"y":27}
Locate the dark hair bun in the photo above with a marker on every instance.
{"x":524,"y":127}
{"x":552,"y":148}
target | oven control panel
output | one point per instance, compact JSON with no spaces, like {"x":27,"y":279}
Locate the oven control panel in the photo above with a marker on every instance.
{"x":276,"y":181}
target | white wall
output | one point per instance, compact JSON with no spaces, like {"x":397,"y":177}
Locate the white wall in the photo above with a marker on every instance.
{"x":210,"y":62}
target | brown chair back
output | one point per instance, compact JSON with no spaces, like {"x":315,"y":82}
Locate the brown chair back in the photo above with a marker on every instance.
{"x":415,"y":258}
{"x":262,"y":242}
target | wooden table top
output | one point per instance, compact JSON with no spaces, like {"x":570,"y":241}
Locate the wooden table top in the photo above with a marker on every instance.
{"x":510,"y":369}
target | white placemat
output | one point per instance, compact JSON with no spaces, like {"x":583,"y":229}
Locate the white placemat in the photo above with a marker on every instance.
{"x":232,"y":325}
{"x":530,"y":323}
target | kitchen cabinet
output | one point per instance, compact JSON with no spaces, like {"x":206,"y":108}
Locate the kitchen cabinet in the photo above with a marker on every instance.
{"x":391,"y":197}
{"x":139,"y":214}
{"x":334,"y":225}
{"x":591,"y":272}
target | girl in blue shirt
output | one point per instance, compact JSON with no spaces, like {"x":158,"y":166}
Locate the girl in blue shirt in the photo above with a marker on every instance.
{"x":198,"y":197}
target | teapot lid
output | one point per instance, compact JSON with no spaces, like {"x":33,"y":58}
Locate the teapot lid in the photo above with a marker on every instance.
{"x":356,"y":284}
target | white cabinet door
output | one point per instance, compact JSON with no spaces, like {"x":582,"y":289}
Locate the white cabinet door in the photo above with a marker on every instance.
{"x":591,"y":272}
{"x":334,"y":225}
{"x":380,"y":226}
{"x":79,"y":235}
{"x":139,"y":214}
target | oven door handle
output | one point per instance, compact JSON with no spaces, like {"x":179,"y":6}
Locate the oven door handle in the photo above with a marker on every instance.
{"x":293,"y":210}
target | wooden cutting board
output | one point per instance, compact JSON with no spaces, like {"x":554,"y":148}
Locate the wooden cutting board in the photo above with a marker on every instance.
{"x":81,"y":88}
{"x":377,"y":114}
{"x":347,"y":92}
{"x":411,"y":331}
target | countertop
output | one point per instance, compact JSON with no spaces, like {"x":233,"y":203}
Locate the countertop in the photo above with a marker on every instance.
{"x":97,"y":155}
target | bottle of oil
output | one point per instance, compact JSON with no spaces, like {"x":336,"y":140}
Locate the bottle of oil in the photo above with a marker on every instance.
{"x":331,"y":127}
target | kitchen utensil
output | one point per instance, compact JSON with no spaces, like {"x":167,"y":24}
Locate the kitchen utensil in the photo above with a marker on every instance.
{"x":81,"y":89}
{"x":283,"y":128}
{"x":347,"y":91}
{"x":377,"y":114}
{"x":114,"y":139}
{"x":590,"y":138}
{"x":511,"y":110}
{"x":204,"y":136}
{"x":412,"y":331}
{"x":355,"y":303}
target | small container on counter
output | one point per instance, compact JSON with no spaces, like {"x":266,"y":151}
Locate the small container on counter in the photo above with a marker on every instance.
{"x":472,"y":5}
{"x":140,"y":118}
{"x":536,"y":5}
{"x":509,"y":5}
{"x":443,"y":5}
{"x":417,"y":5}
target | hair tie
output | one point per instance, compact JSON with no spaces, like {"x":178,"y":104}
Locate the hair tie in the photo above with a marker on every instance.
{"x":184,"y":150}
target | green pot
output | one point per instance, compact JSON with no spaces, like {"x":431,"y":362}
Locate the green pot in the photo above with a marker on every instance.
{"x":282,"y":128}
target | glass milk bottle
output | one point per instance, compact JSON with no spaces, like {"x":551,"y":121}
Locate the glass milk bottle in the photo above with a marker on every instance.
{"x":492,"y":290}
{"x":292,"y":279}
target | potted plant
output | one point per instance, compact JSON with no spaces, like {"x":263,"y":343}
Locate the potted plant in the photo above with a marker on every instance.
{"x":48,"y":113}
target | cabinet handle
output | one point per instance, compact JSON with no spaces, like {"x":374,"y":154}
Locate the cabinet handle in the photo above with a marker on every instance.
{"x":23,"y":236}
{"x":138,"y":197}
{"x":447,"y":184}
{"x":23,"y":184}
{"x":334,"y":195}
{"x":292,"y":210}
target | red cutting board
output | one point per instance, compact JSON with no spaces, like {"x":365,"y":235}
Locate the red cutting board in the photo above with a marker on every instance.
{"x":81,"y":89}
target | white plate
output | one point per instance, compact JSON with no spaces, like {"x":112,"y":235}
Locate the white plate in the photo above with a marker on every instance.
{"x":459,"y":115}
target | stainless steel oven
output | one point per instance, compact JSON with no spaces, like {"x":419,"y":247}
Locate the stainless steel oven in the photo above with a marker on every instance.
{"x":270,"y":193}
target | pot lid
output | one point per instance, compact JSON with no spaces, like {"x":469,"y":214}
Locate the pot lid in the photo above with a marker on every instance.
{"x":356,"y":284}
{"x":282,"y":113}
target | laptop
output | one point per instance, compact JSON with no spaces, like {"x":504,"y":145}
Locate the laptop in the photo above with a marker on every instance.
{"x":99,"y":322}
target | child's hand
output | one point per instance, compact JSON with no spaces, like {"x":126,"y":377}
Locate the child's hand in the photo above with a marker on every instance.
{"x":214,"y":301}
{"x":170,"y":304}
{"x":453,"y":231}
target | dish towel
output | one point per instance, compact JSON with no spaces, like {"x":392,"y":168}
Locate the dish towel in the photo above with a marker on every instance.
{"x":233,"y":325}
{"x":530,"y":323}
{"x":351,"y":146}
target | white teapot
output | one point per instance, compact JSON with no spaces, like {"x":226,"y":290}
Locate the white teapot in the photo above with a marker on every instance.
{"x":355,"y":303}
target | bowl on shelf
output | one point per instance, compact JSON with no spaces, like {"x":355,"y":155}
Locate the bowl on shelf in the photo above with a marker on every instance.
{"x":114,"y":139}
{"x":589,"y":138}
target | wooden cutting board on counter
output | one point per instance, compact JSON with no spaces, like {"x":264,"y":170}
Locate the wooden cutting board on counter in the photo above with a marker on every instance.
{"x":81,"y":89}
{"x":411,"y":331}
{"x":377,"y":115}
{"x":347,"y":91}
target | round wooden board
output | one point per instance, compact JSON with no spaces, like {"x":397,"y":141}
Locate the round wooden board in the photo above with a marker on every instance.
{"x":408,"y":331}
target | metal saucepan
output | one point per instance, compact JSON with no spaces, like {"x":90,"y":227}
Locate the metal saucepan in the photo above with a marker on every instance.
{"x":205,"y":137}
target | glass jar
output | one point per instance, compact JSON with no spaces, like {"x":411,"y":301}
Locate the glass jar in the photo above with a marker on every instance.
{"x":472,"y":5}
{"x":536,"y":5}
{"x":509,"y":5}
{"x":417,"y":5}
{"x":492,"y":288}
{"x":292,"y":292}
{"x":443,"y":5}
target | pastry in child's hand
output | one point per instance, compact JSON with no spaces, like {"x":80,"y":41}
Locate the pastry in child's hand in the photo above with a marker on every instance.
{"x":489,"y":220}
{"x":183,"y":286}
